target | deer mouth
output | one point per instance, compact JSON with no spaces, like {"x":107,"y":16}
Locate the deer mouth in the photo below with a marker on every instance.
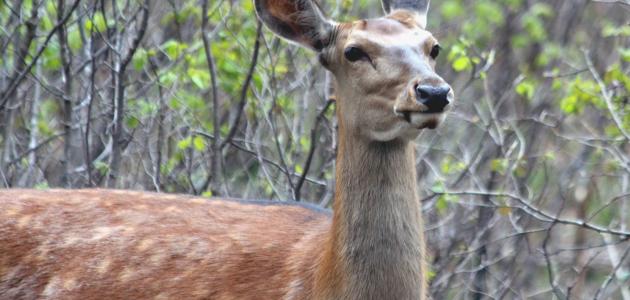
{"x":430,"y":124}
{"x":421,"y":120}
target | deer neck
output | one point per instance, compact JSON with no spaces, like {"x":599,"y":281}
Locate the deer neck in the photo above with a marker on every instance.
{"x":376,"y":243}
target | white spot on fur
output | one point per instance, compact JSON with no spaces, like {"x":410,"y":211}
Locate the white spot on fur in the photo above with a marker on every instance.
{"x":52,"y":287}
{"x":24,"y":221}
{"x":198,"y":200}
{"x":172,"y":208}
{"x":145,"y":244}
{"x":295,"y":289}
{"x":102,"y":232}
{"x":103,"y":266}
{"x":71,"y":240}
{"x":69,"y":284}
{"x":24,"y":196}
{"x":126,"y":274}
{"x":128,"y":230}
{"x":120,"y":192}
{"x":157,"y":259}
{"x":11,"y":212}
{"x":201,"y":293}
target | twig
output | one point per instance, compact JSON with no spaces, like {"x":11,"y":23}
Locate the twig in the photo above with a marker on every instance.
{"x":216,"y":142}
{"x":245,"y":88}
{"x":266,"y":160}
{"x":612,"y":275}
{"x":311,"y":152}
{"x":622,"y":2}
{"x":119,"y":94}
{"x":540,"y":214}
{"x":606,"y":95}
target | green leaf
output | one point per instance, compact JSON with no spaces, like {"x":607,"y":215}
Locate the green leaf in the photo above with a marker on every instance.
{"x":96,"y":23}
{"x":101,"y":167}
{"x":490,"y":11}
{"x":199,"y":143}
{"x":168,"y":78}
{"x":42,"y":186}
{"x":139,"y":59}
{"x":74,"y":39}
{"x":534,"y":27}
{"x":526,"y":89}
{"x":441,"y":204}
{"x":184,"y":144}
{"x":452,"y":9}
{"x":461,"y":64}
{"x":51,"y":8}
{"x":499,"y":165}
{"x":614,"y":30}
{"x":132,"y":122}
{"x":200,"y":78}
{"x":173,"y":49}
{"x":50,"y":56}
{"x":46,"y":23}
{"x":570,"y":104}
{"x":542,"y":10}
{"x":438,"y":188}
{"x":305,"y":142}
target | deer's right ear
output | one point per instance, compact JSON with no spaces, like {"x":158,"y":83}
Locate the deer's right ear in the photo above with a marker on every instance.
{"x":300,"y":21}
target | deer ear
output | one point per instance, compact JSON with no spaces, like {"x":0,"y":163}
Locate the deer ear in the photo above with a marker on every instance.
{"x":420,"y":7}
{"x":300,"y":21}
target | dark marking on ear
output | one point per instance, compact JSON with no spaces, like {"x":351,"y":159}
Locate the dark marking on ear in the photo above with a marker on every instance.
{"x":300,"y":21}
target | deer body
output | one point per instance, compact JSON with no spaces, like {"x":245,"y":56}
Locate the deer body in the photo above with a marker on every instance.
{"x":112,"y":244}
{"x":109,"y":244}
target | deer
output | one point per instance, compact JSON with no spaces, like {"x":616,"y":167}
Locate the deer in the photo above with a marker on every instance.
{"x":122,"y":244}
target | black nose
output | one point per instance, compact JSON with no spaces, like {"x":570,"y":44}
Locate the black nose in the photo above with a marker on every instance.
{"x":435,"y":98}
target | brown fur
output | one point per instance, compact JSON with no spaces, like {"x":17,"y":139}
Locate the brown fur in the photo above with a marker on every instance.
{"x":104,"y":244}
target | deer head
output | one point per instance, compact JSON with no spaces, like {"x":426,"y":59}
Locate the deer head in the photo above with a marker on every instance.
{"x":385,"y":80}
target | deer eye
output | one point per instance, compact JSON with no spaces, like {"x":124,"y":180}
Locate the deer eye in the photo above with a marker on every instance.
{"x":353,"y":54}
{"x":435,"y":51}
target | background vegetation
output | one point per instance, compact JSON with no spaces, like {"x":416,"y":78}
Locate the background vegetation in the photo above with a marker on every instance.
{"x":526,"y":187}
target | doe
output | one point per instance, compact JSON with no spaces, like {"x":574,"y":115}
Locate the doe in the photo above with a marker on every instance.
{"x":112,"y":244}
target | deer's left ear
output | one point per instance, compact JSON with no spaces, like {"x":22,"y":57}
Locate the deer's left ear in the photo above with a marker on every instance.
{"x":300,"y":21}
{"x":420,"y":7}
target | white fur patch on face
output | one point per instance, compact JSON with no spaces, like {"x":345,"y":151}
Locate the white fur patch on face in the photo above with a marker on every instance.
{"x":390,"y":133}
{"x":408,"y":129}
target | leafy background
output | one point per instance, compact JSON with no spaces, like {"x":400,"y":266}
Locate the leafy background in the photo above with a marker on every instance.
{"x":525,"y":188}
